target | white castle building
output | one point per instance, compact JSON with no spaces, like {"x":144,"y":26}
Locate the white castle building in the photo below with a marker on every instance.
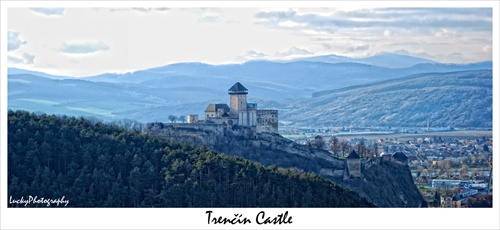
{"x":240,"y":112}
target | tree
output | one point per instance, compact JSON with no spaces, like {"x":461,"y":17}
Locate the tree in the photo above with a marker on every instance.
{"x":485,"y":148}
{"x":346,"y":148}
{"x":437,"y":200}
{"x":425,"y":172}
{"x":361,"y":148}
{"x":172,"y":118}
{"x":319,"y":142}
{"x":463,"y":170}
{"x":447,"y":164}
{"x":182,"y":119}
{"x":335,"y":146}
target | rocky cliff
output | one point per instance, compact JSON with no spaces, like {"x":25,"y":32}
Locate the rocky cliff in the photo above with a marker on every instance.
{"x":385,"y":184}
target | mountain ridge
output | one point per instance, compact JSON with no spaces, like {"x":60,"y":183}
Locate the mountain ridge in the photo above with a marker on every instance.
{"x":388,"y":60}
{"x":456,"y":99}
{"x":187,"y":88}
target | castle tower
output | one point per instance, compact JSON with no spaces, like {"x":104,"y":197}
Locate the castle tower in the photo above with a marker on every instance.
{"x":353,"y":165}
{"x":237,"y":99}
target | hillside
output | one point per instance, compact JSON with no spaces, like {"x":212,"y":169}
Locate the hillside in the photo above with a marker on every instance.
{"x":385,"y":185}
{"x":98,"y":165}
{"x":187,"y":88}
{"x":457,"y":99}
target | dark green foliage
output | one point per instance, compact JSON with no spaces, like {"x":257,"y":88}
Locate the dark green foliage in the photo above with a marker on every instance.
{"x":98,"y":165}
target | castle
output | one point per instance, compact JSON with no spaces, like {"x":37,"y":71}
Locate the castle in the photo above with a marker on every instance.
{"x":239,"y":112}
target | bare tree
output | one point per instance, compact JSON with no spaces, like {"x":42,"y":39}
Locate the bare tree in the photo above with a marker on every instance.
{"x":361,"y":148}
{"x":346,"y":148}
{"x":182,"y":119}
{"x":335,"y":146}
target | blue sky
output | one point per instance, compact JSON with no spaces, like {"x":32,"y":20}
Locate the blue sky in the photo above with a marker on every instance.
{"x":89,"y":41}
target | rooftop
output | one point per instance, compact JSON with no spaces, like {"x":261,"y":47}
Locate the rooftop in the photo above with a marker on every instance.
{"x":353,"y":155}
{"x":238,"y":88}
{"x":400,"y":156}
{"x":216,"y":107}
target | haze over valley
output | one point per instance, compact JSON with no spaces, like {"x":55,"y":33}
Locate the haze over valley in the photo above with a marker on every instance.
{"x":325,"y":90}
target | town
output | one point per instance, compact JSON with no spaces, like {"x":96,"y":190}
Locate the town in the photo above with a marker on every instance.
{"x":451,"y":168}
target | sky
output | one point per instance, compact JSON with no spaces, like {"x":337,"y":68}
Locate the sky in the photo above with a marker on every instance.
{"x":79,"y":42}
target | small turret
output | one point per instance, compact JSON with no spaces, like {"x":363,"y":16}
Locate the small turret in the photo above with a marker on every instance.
{"x":353,"y":165}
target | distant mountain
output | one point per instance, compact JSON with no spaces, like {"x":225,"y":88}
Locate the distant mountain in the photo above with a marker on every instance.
{"x":387,"y":60}
{"x":278,"y":80}
{"x":187,"y":88}
{"x":457,"y":99}
{"x":394,"y":60}
{"x":12,"y":71}
{"x":76,"y":97}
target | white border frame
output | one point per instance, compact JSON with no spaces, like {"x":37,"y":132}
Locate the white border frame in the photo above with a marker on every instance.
{"x":195,"y":218}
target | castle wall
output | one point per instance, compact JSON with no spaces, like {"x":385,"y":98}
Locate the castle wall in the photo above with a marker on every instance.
{"x":370,"y":162}
{"x":267,"y":121}
{"x":354,"y":167}
{"x":247,"y":118}
{"x":157,"y":127}
{"x":192,"y":118}
{"x":210,"y":115}
{"x":349,"y":173}
{"x":236,"y":140}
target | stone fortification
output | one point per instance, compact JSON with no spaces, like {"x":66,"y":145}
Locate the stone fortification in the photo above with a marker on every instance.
{"x":240,"y":141}
{"x":384,"y":183}
{"x":242,"y":113}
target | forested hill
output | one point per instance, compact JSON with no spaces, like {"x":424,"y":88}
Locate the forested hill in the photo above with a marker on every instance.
{"x":99,"y":165}
{"x":455,"y":99}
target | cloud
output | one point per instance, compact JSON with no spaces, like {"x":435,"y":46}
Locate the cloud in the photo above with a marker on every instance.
{"x":486,"y":49}
{"x":327,"y":45}
{"x":423,"y":55}
{"x":140,"y":9}
{"x":401,"y":52}
{"x":291,"y":24}
{"x":455,"y":55}
{"x":360,"y":47}
{"x":146,"y":10}
{"x":14,"y":60}
{"x":255,"y":54}
{"x":420,"y":54}
{"x":85,"y":47}
{"x":26,"y":58}
{"x":383,"y":18}
{"x":209,"y":18}
{"x":294,"y":51}
{"x":49,"y":11}
{"x":446,"y":33}
{"x":251,"y":55}
{"x":14,"y":42}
